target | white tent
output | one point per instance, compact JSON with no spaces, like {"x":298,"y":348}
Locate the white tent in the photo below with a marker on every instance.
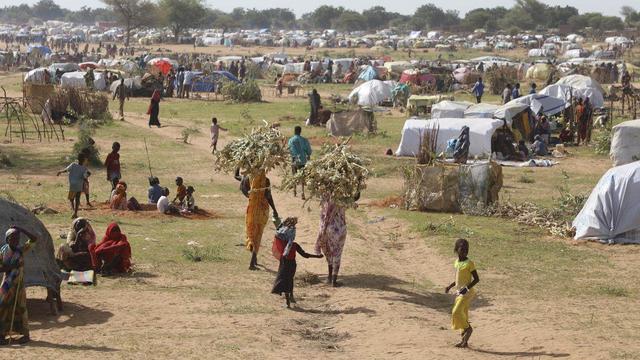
{"x":612,"y":212}
{"x":76,"y":80}
{"x":509,"y":110}
{"x":565,"y":92}
{"x":480,"y":131}
{"x":35,"y":76}
{"x":550,"y":105}
{"x":372,"y":92}
{"x":482,"y":110}
{"x":449,"y":109}
{"x":625,"y":142}
{"x":581,"y":82}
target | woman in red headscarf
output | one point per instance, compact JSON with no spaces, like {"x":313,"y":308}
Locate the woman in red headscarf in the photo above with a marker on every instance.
{"x":154,"y":109}
{"x":114,"y":252}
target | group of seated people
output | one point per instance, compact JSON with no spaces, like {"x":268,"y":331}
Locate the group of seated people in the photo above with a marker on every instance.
{"x":81,"y":253}
{"x":183,"y":202}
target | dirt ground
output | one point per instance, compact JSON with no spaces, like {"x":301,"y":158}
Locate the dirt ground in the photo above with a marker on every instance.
{"x":391,"y":304}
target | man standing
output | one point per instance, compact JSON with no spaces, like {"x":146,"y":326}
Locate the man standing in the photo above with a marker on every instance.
{"x":314,"y":101}
{"x":478,"y":90}
{"x":300,"y":153}
{"x":122,"y":94}
{"x":186,"y":85}
{"x":180,"y":81}
{"x":515,"y":93}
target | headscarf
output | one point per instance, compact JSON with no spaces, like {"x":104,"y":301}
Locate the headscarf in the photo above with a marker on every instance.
{"x":286,"y":234}
{"x":78,"y":226}
{"x":113,"y":234}
{"x":115,"y":244}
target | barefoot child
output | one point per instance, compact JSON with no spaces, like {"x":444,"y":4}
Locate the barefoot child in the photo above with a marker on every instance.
{"x":466,"y":279}
{"x":113,"y":165}
{"x":215,"y":132}
{"x":85,"y":182}
{"x":77,"y":173}
{"x":181,"y":192}
{"x":285,"y":249}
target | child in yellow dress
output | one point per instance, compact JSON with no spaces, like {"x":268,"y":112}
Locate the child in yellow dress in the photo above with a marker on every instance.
{"x":466,"y":279}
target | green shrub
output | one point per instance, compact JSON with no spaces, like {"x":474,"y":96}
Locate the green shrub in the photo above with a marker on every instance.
{"x":85,"y":143}
{"x":603,"y":142}
{"x":248,"y":91}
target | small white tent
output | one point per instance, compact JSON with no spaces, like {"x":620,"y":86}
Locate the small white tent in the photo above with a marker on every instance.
{"x":581,"y":82}
{"x":76,"y":80}
{"x":371,"y":93}
{"x":565,"y":92}
{"x":482,"y":110}
{"x":549,"y":104}
{"x":625,"y":142}
{"x":480,"y":131}
{"x":449,"y":109}
{"x":612,"y":212}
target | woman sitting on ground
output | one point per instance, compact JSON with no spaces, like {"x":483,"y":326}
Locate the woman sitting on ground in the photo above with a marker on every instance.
{"x":113,"y":254}
{"x":119,"y":197}
{"x":78,"y":253}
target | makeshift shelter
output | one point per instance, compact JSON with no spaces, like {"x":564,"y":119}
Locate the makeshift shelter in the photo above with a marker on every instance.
{"x":347,"y":123}
{"x":416,"y":77}
{"x":164,"y":65}
{"x":39,"y":265}
{"x":64,"y":67}
{"x":612,"y":211}
{"x":480,"y":131}
{"x":449,"y":109}
{"x":482,"y":110}
{"x":452,"y":187}
{"x":76,"y":80}
{"x":38,"y":76}
{"x":398,"y":66}
{"x":538,"y":72}
{"x":371,"y":93}
{"x":465,"y":75}
{"x":549,"y":104}
{"x":368,"y":73}
{"x":625,"y":143}
{"x":567,"y":92}
{"x":581,"y":82}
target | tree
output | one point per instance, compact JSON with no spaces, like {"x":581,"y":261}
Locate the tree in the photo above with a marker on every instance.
{"x":47,"y":10}
{"x":133,"y":14}
{"x":350,"y":21}
{"x":182,"y":14}
{"x":631,"y":16}
{"x":377,"y":17}
{"x":429,"y":16}
{"x":323,"y":17}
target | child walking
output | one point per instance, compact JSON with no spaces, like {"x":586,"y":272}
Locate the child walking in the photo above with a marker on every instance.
{"x":77,"y":174}
{"x":215,"y":132}
{"x":285,"y":249}
{"x":466,"y":279}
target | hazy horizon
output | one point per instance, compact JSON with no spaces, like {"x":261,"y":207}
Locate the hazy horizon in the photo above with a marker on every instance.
{"x":611,"y":7}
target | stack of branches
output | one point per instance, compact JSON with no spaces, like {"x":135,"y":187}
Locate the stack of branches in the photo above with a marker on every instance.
{"x":262,"y":150}
{"x":90,"y":104}
{"x":59,"y":101}
{"x":530,"y":214}
{"x":337,"y":173}
{"x":428,"y":142}
{"x":498,"y":77}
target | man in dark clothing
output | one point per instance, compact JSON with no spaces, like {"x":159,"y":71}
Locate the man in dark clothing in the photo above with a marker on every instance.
{"x":314,"y":101}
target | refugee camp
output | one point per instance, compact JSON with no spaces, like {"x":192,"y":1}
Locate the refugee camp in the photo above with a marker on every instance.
{"x":260,"y":180}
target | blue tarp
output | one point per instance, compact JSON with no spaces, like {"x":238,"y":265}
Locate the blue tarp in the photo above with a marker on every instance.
{"x":368,"y":74}
{"x":202,"y":83}
{"x":43,"y":49}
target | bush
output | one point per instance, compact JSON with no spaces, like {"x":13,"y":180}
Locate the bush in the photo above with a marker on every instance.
{"x":187,"y":132}
{"x":5,"y":161}
{"x":603,"y":142}
{"x":248,"y":91}
{"x":86,"y":143}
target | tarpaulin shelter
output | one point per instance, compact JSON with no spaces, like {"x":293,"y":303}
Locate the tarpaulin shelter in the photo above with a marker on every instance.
{"x":567,"y":92}
{"x":480,"y":131}
{"x":449,"y":109}
{"x":482,"y":110}
{"x":549,"y":104}
{"x":347,"y":123}
{"x":465,"y":75}
{"x":612,"y":211}
{"x":43,"y":50}
{"x":76,"y":80}
{"x":538,"y":72}
{"x":417,"y":77}
{"x":88,"y":65}
{"x":164,"y":65}
{"x":39,"y":264}
{"x":371,"y":93}
{"x":368,"y":73}
{"x":625,"y":143}
{"x":581,"y":82}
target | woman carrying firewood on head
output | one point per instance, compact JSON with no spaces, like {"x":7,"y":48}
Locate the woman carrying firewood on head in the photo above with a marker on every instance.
{"x":258,"y":190}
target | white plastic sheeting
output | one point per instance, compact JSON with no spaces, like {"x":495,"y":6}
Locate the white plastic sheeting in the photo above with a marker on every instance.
{"x":612,"y":212}
{"x":76,"y":80}
{"x":509,"y":110}
{"x":549,"y":104}
{"x":565,"y":92}
{"x":625,"y":143}
{"x":35,"y":76}
{"x":480,"y":131}
{"x":482,"y":110}
{"x":449,"y":109}
{"x":581,"y":82}
{"x":372,"y":92}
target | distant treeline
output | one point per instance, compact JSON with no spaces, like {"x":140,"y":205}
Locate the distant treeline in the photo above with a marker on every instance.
{"x":523,"y":15}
